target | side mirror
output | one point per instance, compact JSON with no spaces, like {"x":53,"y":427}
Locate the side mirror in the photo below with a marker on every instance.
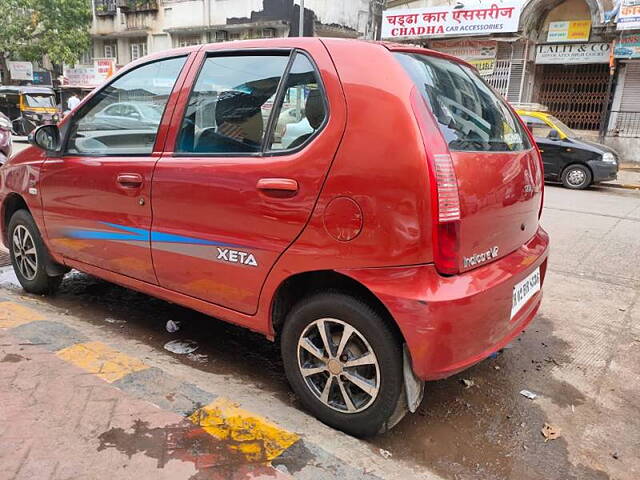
{"x":46,"y":137}
{"x":553,"y":135}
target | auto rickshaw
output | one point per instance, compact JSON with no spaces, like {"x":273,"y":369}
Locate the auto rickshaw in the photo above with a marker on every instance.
{"x":28,"y":107}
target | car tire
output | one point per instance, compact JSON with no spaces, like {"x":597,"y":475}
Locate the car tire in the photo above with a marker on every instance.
{"x":576,"y":177}
{"x":376,"y":400}
{"x":29,"y":256}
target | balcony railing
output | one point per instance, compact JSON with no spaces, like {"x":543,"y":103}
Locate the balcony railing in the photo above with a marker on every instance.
{"x":128,"y":6}
{"x":105,"y":7}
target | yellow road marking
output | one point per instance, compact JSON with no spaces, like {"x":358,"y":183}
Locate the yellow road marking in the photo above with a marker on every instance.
{"x":14,"y":315}
{"x":249,"y":434}
{"x":101,"y":360}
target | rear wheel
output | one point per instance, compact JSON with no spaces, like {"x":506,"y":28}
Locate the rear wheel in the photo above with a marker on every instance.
{"x":29,"y":256}
{"x":577,"y":177}
{"x":345,"y":363}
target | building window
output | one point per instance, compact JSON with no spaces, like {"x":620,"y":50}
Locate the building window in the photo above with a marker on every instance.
{"x":187,"y":40}
{"x":87,"y":57}
{"x":234,"y":36}
{"x":221,"y":36}
{"x":268,"y":33}
{"x":138,"y":49}
{"x":110,"y":50}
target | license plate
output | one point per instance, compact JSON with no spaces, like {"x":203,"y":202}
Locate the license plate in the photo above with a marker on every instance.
{"x":524,"y":290}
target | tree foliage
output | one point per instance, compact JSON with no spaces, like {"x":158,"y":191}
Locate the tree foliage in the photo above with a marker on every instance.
{"x":30,"y":29}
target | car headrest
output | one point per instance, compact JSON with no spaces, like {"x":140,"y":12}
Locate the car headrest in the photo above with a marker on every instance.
{"x":314,"y":109}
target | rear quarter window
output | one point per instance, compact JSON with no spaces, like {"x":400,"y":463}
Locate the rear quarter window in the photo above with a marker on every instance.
{"x":470,"y":115}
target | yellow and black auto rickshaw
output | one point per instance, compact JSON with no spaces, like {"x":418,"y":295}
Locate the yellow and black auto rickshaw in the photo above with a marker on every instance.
{"x":28,"y":107}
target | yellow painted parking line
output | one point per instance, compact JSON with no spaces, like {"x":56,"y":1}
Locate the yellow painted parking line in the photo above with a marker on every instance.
{"x":14,"y":315}
{"x":245,"y":432}
{"x":101,"y":360}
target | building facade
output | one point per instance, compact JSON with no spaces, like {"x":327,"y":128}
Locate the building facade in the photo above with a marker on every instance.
{"x":568,"y":55}
{"x":128,"y":29}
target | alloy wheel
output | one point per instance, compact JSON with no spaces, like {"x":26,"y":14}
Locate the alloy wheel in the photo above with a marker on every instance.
{"x":338,"y":365}
{"x":24,"y":253}
{"x":576,"y":177}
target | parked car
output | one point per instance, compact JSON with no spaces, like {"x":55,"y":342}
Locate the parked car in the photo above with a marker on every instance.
{"x":5,"y":138}
{"x":28,"y":107}
{"x":129,"y":115}
{"x":575,"y":162}
{"x":399,"y":246}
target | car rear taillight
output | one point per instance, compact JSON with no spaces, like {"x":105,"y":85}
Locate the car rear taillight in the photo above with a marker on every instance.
{"x":444,"y":190}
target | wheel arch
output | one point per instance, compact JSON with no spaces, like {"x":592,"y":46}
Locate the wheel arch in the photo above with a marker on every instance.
{"x":301,"y":285}
{"x":12,"y":203}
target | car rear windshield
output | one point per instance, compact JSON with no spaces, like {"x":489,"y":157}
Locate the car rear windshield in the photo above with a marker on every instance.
{"x":470,"y":115}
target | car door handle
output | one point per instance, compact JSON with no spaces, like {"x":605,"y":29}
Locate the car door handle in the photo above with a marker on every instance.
{"x":278,"y":185}
{"x":130,"y":180}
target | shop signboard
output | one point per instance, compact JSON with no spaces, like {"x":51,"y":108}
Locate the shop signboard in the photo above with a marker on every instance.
{"x":21,"y":70}
{"x":627,"y":47}
{"x":629,"y":16}
{"x":90,"y":75}
{"x":577,"y":31}
{"x":573,"y":53}
{"x":105,"y":68}
{"x":479,"y":53}
{"x":81,"y":75}
{"x":475,"y":18}
{"x":42,"y":78}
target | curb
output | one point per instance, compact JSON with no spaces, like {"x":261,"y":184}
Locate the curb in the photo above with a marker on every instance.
{"x":627,"y":186}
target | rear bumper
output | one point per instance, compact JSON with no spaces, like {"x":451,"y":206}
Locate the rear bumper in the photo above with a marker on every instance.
{"x":603,"y":171}
{"x":451,"y":323}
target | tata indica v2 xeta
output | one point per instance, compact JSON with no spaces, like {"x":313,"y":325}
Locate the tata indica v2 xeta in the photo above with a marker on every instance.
{"x":391,"y":237}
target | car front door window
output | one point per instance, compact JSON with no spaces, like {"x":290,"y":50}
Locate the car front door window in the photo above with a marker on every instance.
{"x":148,"y":85}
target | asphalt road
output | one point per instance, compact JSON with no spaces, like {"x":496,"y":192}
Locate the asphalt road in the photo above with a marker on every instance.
{"x":581,"y":357}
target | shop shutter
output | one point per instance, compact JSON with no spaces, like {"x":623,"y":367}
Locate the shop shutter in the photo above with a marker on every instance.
{"x":630,"y":100}
{"x":626,"y":121}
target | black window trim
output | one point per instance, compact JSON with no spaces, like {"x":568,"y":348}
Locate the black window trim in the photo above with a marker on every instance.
{"x":271,"y":123}
{"x":325,"y":101}
{"x":68,"y":127}
{"x":245,"y":52}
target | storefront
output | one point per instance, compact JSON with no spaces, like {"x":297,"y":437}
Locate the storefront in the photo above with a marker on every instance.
{"x":572,"y":80}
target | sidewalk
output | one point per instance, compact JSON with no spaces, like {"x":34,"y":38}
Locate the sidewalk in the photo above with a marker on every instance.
{"x":67,"y":412}
{"x":628,"y":177}
{"x":75,"y":407}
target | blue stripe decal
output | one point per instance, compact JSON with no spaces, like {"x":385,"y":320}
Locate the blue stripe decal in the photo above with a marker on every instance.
{"x":126,"y":234}
{"x":142,"y":235}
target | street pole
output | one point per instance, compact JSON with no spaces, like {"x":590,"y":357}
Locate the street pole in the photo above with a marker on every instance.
{"x":301,"y":24}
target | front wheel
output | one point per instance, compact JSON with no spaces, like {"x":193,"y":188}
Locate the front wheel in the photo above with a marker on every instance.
{"x":29,"y":255}
{"x":345,"y":363}
{"x":576,"y":177}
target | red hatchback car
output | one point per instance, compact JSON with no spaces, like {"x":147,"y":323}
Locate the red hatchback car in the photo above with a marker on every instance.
{"x":393,"y":239}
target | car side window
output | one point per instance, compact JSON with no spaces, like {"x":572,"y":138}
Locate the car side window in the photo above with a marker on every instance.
{"x":113,"y":111}
{"x":231,"y":103}
{"x":302,"y":110}
{"x":538,"y":127}
{"x":99,"y":130}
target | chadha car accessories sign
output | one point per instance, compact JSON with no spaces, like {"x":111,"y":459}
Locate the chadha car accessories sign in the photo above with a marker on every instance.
{"x":573,"y":53}
{"x":471,"y":18}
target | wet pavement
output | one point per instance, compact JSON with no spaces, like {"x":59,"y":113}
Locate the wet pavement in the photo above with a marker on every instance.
{"x":581,"y":357}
